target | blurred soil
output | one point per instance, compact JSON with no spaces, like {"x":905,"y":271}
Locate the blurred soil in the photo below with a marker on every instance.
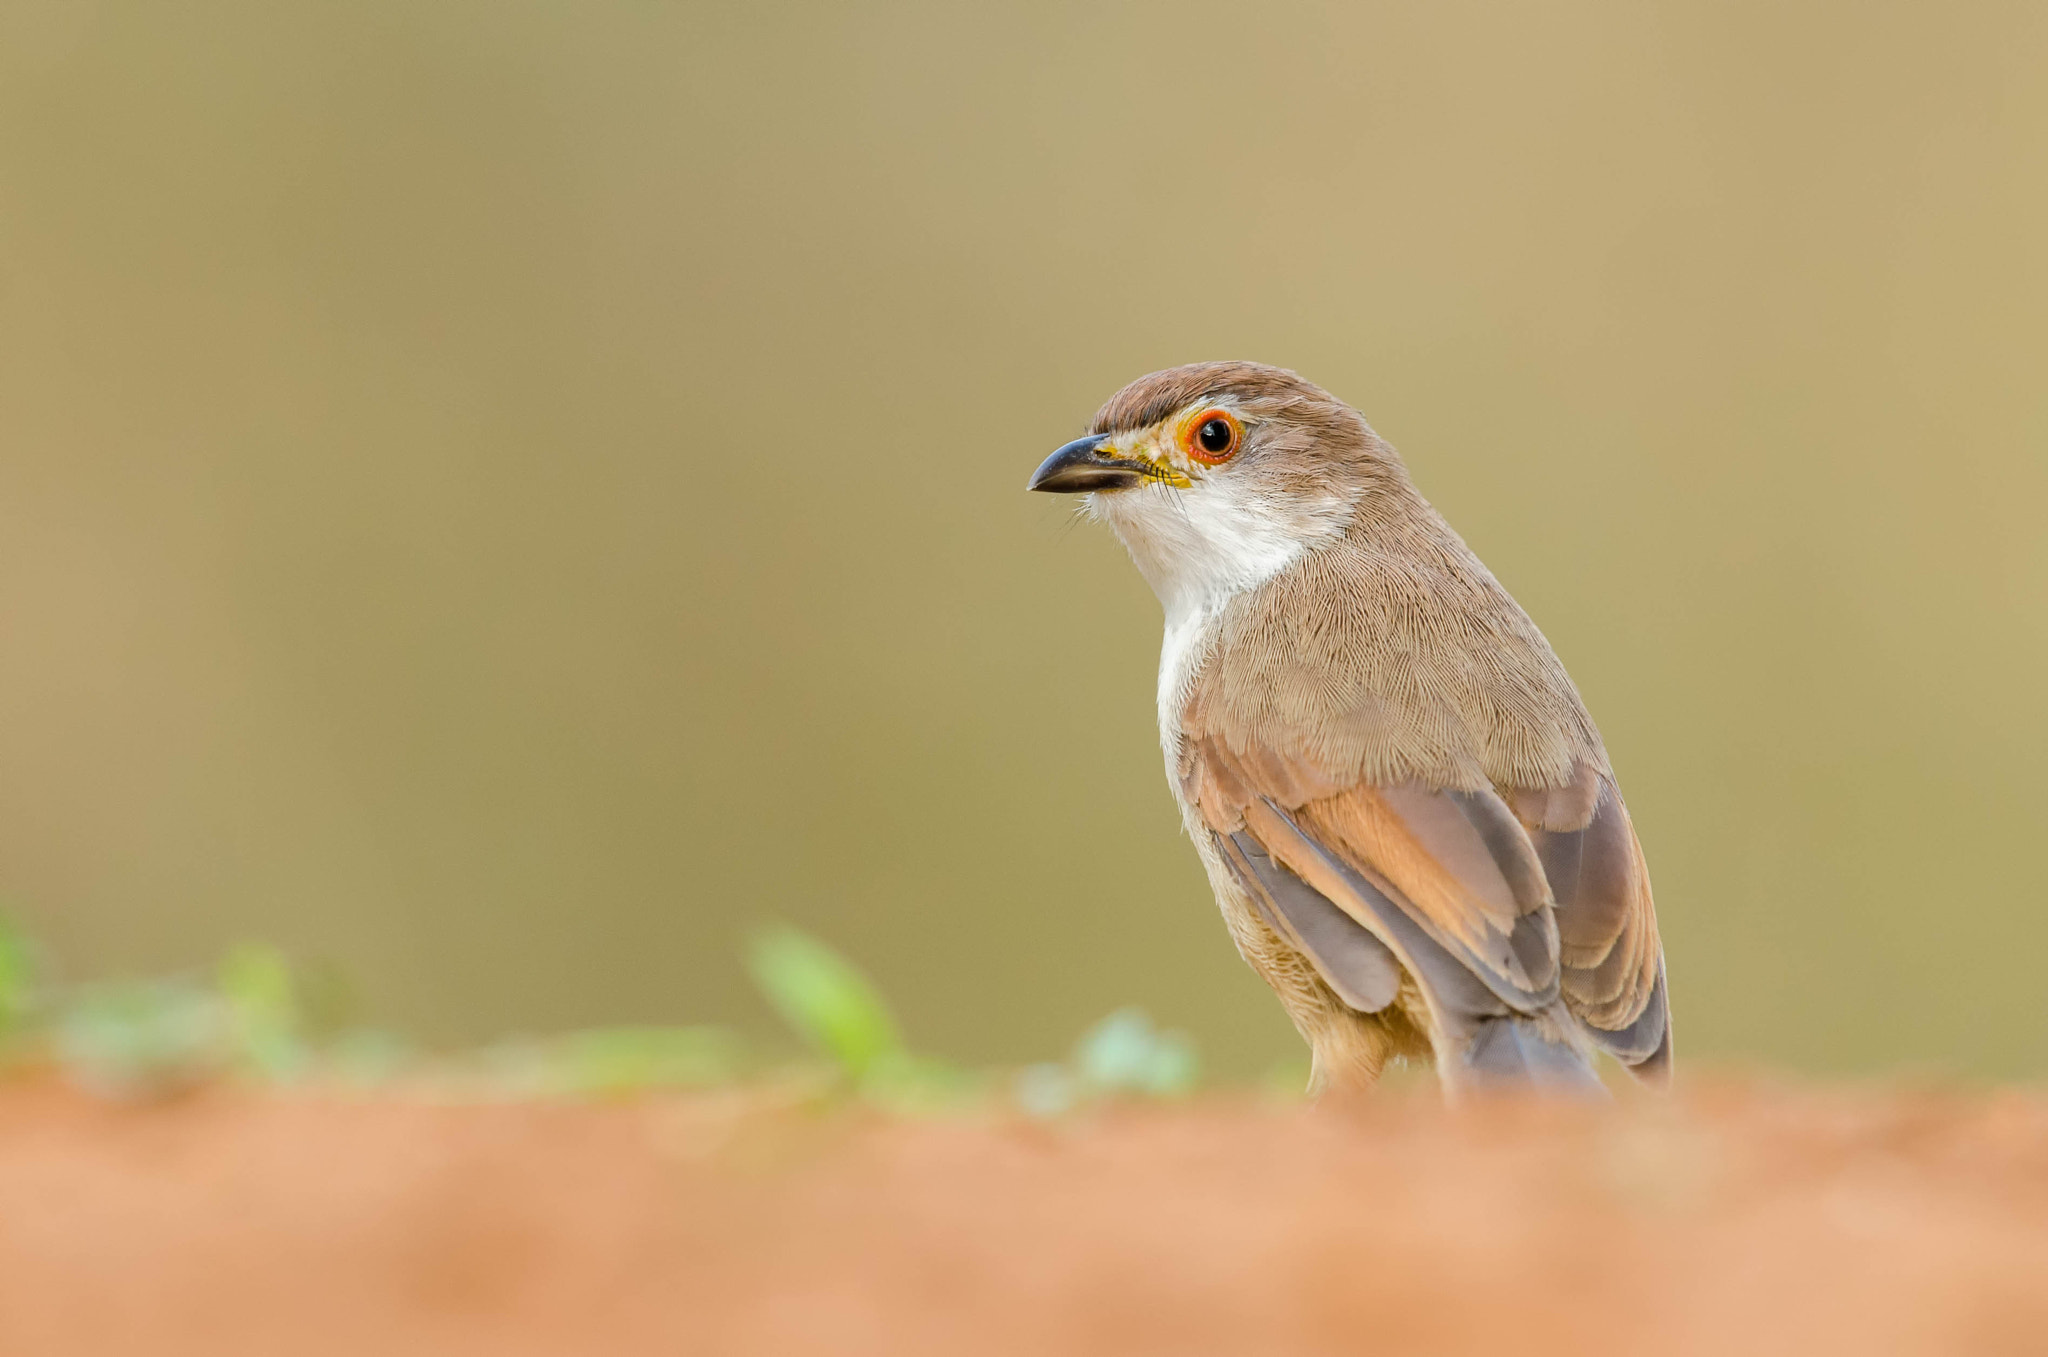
{"x":1740,"y":1218}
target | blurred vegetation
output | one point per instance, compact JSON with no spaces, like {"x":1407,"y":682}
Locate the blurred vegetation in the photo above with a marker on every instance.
{"x":250,"y":1019}
{"x":840,"y":1014}
{"x":827,"y":1001}
{"x":1122,"y":1054}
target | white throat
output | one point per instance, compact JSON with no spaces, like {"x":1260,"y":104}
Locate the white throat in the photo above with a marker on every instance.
{"x":1201,"y":547}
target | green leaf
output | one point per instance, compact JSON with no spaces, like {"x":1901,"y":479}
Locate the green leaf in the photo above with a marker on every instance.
{"x":256,"y":982}
{"x":1124,"y":1053}
{"x":17,"y":980}
{"x":613,"y":1060}
{"x":826,"y":1000}
{"x":144,"y":1037}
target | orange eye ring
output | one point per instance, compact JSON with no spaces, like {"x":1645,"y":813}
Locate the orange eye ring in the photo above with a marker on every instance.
{"x":1212,"y":437}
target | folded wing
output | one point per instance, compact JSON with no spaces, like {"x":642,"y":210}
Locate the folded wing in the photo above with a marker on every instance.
{"x":1498,"y":902}
{"x":1608,"y":949}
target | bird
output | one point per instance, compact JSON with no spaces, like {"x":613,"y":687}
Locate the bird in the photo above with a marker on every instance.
{"x":1407,"y":815}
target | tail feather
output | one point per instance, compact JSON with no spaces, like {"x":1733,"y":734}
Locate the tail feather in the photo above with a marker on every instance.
{"x":1645,"y":1044}
{"x":1517,"y":1050}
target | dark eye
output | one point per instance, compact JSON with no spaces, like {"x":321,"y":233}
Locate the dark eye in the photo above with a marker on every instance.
{"x":1211,"y":437}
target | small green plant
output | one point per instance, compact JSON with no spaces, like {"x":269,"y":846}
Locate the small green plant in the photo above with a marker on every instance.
{"x":625,"y":1059}
{"x":148,"y":1037}
{"x":838,"y":1012}
{"x":258,"y":1016}
{"x":826,"y":1001}
{"x":1123,"y":1054}
{"x":18,"y":982}
{"x":618,"y":1061}
{"x":255,"y":982}
{"x":143,"y":1037}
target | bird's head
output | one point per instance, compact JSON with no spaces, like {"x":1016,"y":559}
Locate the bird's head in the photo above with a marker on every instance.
{"x":1217,"y":476}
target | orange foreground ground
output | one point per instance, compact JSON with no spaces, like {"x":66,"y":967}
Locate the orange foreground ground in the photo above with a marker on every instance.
{"x":1733,"y":1220}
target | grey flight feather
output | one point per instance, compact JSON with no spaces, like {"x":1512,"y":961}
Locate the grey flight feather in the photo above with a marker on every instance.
{"x":1350,"y":960}
{"x":1458,"y":994}
{"x":1649,"y":1036}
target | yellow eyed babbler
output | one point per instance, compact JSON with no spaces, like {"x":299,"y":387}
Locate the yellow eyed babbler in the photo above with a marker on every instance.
{"x":1406,"y":813}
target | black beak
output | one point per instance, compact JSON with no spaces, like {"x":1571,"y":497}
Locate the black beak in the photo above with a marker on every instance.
{"x":1080,"y":466}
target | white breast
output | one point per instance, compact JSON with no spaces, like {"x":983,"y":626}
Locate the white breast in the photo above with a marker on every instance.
{"x":1199,"y":548}
{"x":1188,"y":640}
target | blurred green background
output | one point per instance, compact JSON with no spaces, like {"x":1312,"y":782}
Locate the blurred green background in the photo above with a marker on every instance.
{"x":501,"y":498}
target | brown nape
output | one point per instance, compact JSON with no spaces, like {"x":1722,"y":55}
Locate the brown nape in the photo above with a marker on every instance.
{"x":1152,"y":398}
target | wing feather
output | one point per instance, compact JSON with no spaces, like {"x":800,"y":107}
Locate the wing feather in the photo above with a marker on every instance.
{"x":1443,"y":872}
{"x":1350,"y":959}
{"x":1495,"y":900}
{"x":1456,"y":996}
{"x":1613,"y":961}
